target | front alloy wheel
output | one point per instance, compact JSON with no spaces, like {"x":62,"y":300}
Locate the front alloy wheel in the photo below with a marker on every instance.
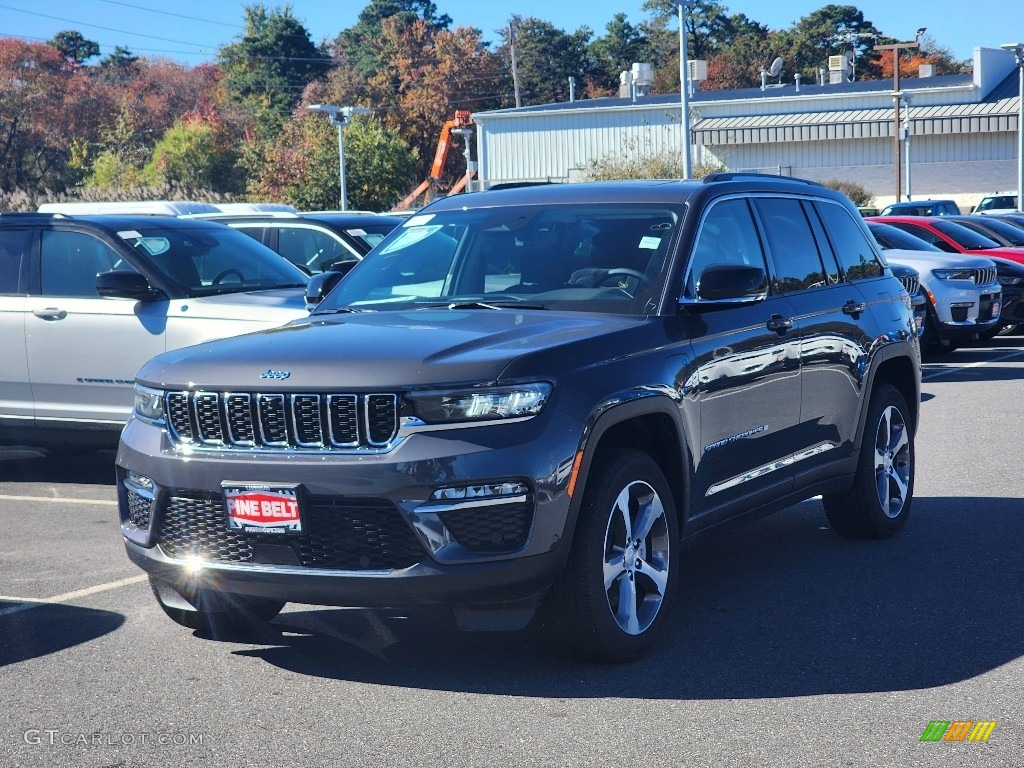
{"x":636,"y":565}
{"x":618,"y":584}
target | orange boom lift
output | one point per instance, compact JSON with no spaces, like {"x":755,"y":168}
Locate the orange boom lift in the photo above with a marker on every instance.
{"x":462,"y":119}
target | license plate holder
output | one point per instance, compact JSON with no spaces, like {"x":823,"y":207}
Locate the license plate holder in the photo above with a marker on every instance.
{"x":273,"y":509}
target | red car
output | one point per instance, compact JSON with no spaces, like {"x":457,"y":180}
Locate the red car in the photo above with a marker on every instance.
{"x":952,"y":237}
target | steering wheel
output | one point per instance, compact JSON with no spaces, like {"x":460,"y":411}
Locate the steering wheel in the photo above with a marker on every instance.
{"x":228,"y":273}
{"x":621,"y":277}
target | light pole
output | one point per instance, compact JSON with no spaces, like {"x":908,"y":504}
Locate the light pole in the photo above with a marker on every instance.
{"x":339,"y":116}
{"x":895,"y":48}
{"x":466,"y":133}
{"x":905,"y":130}
{"x":683,"y":90}
{"x":1018,"y":49}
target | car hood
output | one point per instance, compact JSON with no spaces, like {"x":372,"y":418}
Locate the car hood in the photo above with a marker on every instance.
{"x":271,"y":307}
{"x":924,"y":260}
{"x":378,"y":350}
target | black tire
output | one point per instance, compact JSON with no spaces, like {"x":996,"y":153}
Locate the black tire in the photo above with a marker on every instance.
{"x":878,"y":503}
{"x":591,"y":603}
{"x":205,"y":610}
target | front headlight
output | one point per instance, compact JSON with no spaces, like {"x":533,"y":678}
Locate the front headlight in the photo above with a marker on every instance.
{"x":1008,"y":280}
{"x":149,"y":404}
{"x":954,"y":274}
{"x":516,"y":401}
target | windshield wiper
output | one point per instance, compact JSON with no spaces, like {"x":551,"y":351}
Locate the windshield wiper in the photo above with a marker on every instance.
{"x":495,"y":305}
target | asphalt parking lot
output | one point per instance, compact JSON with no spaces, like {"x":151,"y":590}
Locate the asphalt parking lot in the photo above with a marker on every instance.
{"x":790,"y":646}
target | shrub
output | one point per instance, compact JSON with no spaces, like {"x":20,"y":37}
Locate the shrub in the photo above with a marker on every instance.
{"x":856,"y":192}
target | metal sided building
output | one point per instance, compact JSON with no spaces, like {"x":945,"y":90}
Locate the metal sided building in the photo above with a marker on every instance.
{"x":963,"y":132}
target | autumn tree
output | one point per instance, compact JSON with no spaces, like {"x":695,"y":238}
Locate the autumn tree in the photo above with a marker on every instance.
{"x":358,"y":42}
{"x":301,"y":165}
{"x":46,"y":108}
{"x":425,"y":76}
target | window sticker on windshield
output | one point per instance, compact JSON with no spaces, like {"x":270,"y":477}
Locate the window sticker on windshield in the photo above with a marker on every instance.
{"x":154,"y":246}
{"x":128,"y":234}
{"x":410,"y":237}
{"x":649,"y":242}
{"x":416,"y":221}
{"x":357,"y":232}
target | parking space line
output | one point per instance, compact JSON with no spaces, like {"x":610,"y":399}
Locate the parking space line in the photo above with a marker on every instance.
{"x":29,"y":603}
{"x":968,"y":366}
{"x":59,"y":499}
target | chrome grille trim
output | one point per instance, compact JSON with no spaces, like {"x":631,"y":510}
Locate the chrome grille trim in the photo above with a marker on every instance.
{"x":911,"y":283}
{"x":985,"y":275}
{"x":276,"y":421}
{"x":381,"y":419}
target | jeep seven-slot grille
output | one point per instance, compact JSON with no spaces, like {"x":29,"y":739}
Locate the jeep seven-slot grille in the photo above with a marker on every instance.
{"x":984,"y":276}
{"x":910,"y":282}
{"x":283,"y":421}
{"x":342,"y":534}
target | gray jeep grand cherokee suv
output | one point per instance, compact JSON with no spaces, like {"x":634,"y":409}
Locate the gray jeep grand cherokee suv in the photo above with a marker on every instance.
{"x":532,"y":397}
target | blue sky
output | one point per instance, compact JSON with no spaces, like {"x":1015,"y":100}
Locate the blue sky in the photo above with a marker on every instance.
{"x":147,"y":26}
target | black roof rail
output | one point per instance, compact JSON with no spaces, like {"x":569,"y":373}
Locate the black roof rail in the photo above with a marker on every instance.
{"x":735,"y":175}
{"x":32,"y":215}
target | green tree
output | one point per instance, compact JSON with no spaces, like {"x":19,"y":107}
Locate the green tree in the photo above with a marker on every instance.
{"x":617,"y":50}
{"x":74,"y":47}
{"x":269,"y":65}
{"x":301,"y":165}
{"x":194,"y":153}
{"x":120,"y":65}
{"x":827,"y":32}
{"x":546,"y":57}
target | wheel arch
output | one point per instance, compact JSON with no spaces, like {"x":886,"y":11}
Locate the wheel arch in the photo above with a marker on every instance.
{"x":650,"y":424}
{"x":901,"y":372}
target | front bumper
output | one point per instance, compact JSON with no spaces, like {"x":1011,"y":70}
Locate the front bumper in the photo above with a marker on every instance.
{"x":961,"y":314}
{"x":376,"y":532}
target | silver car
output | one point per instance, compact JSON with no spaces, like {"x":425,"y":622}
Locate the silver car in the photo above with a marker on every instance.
{"x":964,"y":293}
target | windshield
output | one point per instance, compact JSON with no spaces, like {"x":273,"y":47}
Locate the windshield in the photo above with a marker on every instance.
{"x":586,"y":258}
{"x":889,"y":237}
{"x":1013,"y":235}
{"x":209,"y":260}
{"x":964,"y":237}
{"x":366,"y":236}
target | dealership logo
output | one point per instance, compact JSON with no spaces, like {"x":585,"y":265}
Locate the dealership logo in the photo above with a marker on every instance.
{"x":958,"y":730}
{"x":270,"y":373}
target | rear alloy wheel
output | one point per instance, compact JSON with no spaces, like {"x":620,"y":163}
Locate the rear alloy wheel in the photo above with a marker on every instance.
{"x":878,"y":504}
{"x":206,"y":610}
{"x":619,"y":581}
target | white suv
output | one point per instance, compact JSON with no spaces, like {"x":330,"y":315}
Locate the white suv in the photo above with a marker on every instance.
{"x":85,"y":301}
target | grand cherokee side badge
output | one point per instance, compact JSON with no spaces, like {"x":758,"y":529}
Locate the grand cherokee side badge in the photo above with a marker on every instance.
{"x":270,"y":373}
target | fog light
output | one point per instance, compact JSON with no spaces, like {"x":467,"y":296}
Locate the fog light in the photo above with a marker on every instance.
{"x":139,"y":481}
{"x":193,"y":564}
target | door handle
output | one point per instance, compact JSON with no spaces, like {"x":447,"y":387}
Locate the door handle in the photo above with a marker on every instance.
{"x":50,"y":313}
{"x":854,"y":308}
{"x":780,"y":324}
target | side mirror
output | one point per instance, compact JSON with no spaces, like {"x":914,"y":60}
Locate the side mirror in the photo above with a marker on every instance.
{"x":320,"y":285}
{"x":732,"y":283}
{"x":126,"y":285}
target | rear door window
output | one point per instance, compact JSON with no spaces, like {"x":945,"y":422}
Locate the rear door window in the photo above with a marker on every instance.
{"x":791,"y":244}
{"x":849,"y":243}
{"x":15,"y":245}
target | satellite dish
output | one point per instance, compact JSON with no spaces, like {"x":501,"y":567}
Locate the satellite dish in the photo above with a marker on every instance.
{"x":776,"y":68}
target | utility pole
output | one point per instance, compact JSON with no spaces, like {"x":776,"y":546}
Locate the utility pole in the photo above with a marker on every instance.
{"x":896,"y":99}
{"x":515,"y":70}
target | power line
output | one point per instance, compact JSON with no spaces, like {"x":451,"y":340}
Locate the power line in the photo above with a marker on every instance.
{"x":106,"y":29}
{"x":169,"y":13}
